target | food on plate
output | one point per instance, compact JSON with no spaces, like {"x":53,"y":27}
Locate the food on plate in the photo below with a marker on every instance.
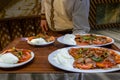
{"x":38,"y":41}
{"x":46,"y":37}
{"x":92,"y":39}
{"x":41,"y":39}
{"x":14,"y":55}
{"x":85,"y":39}
{"x":8,"y":58}
{"x":64,"y":58}
{"x":70,"y":39}
{"x":94,"y":58}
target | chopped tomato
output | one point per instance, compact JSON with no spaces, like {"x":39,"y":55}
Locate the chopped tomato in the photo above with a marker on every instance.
{"x":83,"y":43}
{"x":84,"y":66}
{"x":25,"y":56}
{"x":104,"y":64}
{"x":97,"y":42}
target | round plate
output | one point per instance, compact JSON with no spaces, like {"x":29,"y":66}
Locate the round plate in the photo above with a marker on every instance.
{"x":61,"y":40}
{"x":52,"y":61}
{"x":5,"y":65}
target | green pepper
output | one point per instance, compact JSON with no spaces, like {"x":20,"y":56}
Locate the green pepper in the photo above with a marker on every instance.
{"x":85,"y":49}
{"x":80,"y":51}
{"x":97,"y":59}
{"x":86,"y":37}
{"x":20,"y":54}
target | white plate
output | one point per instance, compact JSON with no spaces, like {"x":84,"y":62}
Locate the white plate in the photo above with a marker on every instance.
{"x":40,"y":44}
{"x":5,"y":65}
{"x":53,"y":62}
{"x":60,"y":39}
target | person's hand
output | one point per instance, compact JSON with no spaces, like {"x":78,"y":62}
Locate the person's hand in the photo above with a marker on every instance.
{"x":44,"y":26}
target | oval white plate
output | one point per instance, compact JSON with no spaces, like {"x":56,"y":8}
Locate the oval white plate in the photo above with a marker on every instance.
{"x":55,"y":64}
{"x":40,"y":44}
{"x":60,"y":39}
{"x":5,"y":65}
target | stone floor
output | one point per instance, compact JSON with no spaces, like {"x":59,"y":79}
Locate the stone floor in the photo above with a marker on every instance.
{"x":66,"y":76}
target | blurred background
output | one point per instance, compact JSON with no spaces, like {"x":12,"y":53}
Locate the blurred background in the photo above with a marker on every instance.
{"x":15,"y":8}
{"x":21,"y":18}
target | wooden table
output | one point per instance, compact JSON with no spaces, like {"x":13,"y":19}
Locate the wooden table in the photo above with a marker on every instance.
{"x":40,"y":62}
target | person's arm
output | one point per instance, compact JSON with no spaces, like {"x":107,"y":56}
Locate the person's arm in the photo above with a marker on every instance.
{"x":43,"y":22}
{"x":80,"y":17}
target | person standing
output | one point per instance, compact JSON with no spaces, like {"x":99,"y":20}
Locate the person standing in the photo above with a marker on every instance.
{"x":65,"y":15}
